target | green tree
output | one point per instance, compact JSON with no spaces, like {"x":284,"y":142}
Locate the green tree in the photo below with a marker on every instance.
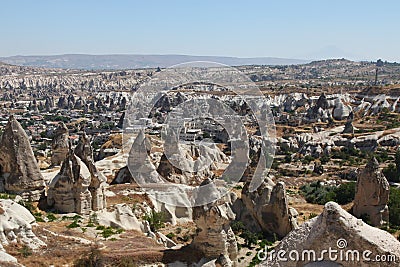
{"x":156,"y":220}
{"x":249,"y":237}
{"x":345,"y":193}
{"x":392,"y":171}
{"x":394,"y":206}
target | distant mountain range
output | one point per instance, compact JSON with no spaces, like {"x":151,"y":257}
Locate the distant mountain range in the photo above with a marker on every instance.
{"x":96,"y":62}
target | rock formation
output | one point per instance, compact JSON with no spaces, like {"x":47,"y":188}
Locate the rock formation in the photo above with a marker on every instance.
{"x":60,"y":144}
{"x":69,"y":190}
{"x":19,"y":171}
{"x":16,"y":225}
{"x":16,"y":228}
{"x":340,"y":111}
{"x":348,"y":127}
{"x":318,"y":168}
{"x":339,"y":231}
{"x":98,"y":181}
{"x":372,"y":194}
{"x":215,"y":236}
{"x":266,"y":209}
{"x":139,"y":163}
{"x":120,"y":217}
{"x":205,"y":156}
{"x":123,"y":176}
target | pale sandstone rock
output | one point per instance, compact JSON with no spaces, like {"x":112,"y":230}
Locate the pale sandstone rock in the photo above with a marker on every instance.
{"x":69,"y":190}
{"x":266,"y":209}
{"x":16,"y":225}
{"x":98,"y":182}
{"x":121,"y":216}
{"x":341,"y":111}
{"x":324,"y":231}
{"x":60,"y":144}
{"x":19,"y":171}
{"x":372,"y":194}
{"x":207,"y":159}
{"x":215,"y":236}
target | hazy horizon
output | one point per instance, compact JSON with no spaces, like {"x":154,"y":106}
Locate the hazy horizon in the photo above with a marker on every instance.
{"x":312,"y":30}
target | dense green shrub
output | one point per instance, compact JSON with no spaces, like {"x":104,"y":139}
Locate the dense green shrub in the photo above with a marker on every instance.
{"x":317,"y":193}
{"x":392,"y":172}
{"x":156,"y":220}
{"x":249,"y":237}
{"x":394,"y":207}
{"x":237,"y":227}
{"x":74,"y":224}
{"x":345,"y":193}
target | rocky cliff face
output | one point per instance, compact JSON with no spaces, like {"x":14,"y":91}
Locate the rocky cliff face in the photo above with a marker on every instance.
{"x":60,"y":144}
{"x":98,"y":182}
{"x":16,"y":225}
{"x":16,"y":228}
{"x":205,"y":156}
{"x":340,"y":231}
{"x":19,"y":171}
{"x":266,"y":209}
{"x":372,"y":195}
{"x":215,"y":236}
{"x":69,"y":190}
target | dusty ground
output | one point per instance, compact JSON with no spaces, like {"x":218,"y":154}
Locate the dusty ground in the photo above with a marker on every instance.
{"x":130,"y":248}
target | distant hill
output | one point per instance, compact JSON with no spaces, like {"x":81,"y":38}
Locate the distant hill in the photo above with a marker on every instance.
{"x":82,"y":61}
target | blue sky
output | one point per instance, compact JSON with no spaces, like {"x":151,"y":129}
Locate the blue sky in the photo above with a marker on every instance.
{"x":292,"y":29}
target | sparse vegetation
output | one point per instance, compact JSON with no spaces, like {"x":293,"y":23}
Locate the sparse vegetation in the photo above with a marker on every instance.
{"x":93,"y":259}
{"x":25,"y":251}
{"x":93,"y":221}
{"x":106,"y":232}
{"x":312,"y":215}
{"x":74,"y":224}
{"x":38,"y":216}
{"x":156,"y":220}
{"x":51,"y":217}
{"x":170,"y":235}
{"x":7,"y":196}
{"x":349,"y":155}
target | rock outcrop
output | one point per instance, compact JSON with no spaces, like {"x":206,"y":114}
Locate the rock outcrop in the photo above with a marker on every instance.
{"x":16,"y":228}
{"x":98,"y":181}
{"x":19,"y":171}
{"x":60,"y":144}
{"x":69,"y":190}
{"x":16,"y":225}
{"x":121,"y":216}
{"x":139,"y":163}
{"x":340,"y":111}
{"x":372,"y":194}
{"x":266,"y":209}
{"x":214,"y":234}
{"x":205,"y":156}
{"x":343,"y":234}
{"x":348,"y":127}
{"x":123,"y":176}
